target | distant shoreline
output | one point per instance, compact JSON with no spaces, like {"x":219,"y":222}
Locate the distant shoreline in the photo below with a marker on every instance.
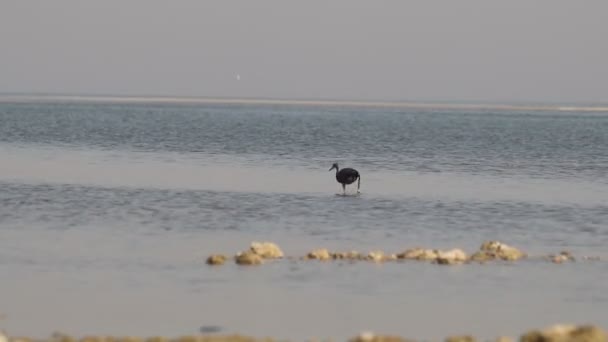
{"x":12,"y":98}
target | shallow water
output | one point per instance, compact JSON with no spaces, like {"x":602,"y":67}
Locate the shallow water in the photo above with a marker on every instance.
{"x":109,"y":210}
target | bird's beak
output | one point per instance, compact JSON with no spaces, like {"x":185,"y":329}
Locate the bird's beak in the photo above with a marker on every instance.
{"x":333,"y":167}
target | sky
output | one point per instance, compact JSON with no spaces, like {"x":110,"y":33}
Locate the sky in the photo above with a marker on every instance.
{"x":460,"y":51}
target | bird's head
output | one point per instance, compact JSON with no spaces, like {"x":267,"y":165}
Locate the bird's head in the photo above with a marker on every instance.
{"x":334,"y":166}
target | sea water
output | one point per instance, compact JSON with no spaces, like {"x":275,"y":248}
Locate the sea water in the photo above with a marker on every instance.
{"x":109,"y":209}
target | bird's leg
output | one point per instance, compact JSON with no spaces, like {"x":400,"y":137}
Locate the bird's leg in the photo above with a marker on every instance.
{"x":344,"y":189}
{"x":358,"y":184}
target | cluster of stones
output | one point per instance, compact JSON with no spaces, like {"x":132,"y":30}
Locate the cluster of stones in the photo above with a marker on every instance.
{"x":557,"y":333}
{"x":488,"y":251}
{"x":259,"y":251}
{"x":566,"y":333}
{"x":255,"y":255}
{"x":324,"y":255}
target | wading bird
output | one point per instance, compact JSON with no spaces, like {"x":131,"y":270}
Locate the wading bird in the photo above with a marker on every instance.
{"x":346,"y":176}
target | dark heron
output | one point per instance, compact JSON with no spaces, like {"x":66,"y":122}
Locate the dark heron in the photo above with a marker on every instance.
{"x":346,"y":176}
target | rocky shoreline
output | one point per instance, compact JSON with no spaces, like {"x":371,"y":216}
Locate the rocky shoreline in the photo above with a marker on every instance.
{"x":556,"y":333}
{"x":489,"y":251}
{"x":259,"y":253}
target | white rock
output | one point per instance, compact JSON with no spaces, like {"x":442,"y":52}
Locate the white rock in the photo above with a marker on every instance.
{"x":3,"y":337}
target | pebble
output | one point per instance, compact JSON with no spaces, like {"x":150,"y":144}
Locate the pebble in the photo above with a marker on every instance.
{"x":418,"y":254}
{"x":451,"y":257}
{"x":497,"y":250}
{"x":368,"y":336}
{"x":216,"y":259}
{"x":248,"y":258}
{"x":562,"y":257}
{"x":376,"y":256}
{"x":352,"y":255}
{"x":463,"y":338}
{"x":319,"y":254}
{"x":267,"y":250}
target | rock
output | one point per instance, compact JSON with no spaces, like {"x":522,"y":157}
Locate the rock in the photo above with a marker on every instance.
{"x":266,"y":250}
{"x":463,"y":338}
{"x":558,"y":259}
{"x":499,"y":250}
{"x":128,"y":339}
{"x":3,"y":336}
{"x":93,"y":339}
{"x":319,"y":254}
{"x":216,"y":259}
{"x":562,"y":257}
{"x":156,"y":339}
{"x":504,"y":339}
{"x":376,"y":256}
{"x":190,"y":338}
{"x":369,"y":336}
{"x":411,"y":253}
{"x":352,"y":255}
{"x":453,"y":256}
{"x":248,"y":258}
{"x":566,"y":333}
{"x":61,"y":337}
{"x":418,"y":254}
{"x":481,"y":256}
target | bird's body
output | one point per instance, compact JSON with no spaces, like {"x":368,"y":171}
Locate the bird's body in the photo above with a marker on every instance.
{"x":346,"y":176}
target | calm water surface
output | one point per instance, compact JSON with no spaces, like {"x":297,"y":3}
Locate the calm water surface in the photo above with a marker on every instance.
{"x":109,"y":210}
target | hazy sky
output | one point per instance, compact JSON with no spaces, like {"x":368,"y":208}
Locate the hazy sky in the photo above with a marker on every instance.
{"x":454,"y":50}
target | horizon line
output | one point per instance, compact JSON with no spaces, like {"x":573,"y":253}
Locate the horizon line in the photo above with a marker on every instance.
{"x":42,"y":97}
